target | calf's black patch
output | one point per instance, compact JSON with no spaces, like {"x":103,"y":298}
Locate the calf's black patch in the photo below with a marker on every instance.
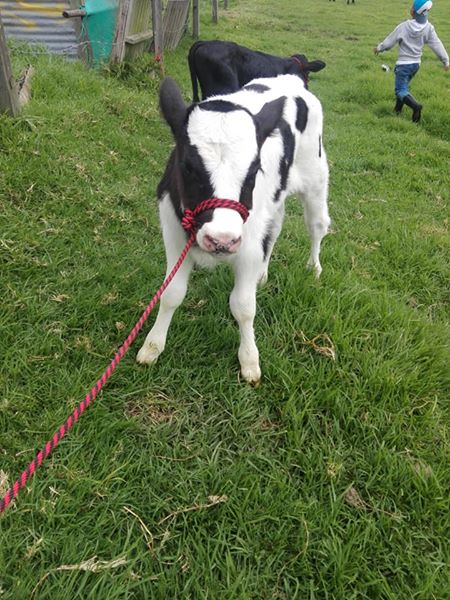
{"x":302,"y":114}
{"x":256,"y":87}
{"x":186,"y":180}
{"x":246,"y":195}
{"x":222,"y":106}
{"x":286,"y":158}
{"x":267,"y":242}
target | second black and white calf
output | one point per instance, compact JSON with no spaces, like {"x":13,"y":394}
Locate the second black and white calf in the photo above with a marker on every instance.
{"x":255,"y":146}
{"x":221,"y":67}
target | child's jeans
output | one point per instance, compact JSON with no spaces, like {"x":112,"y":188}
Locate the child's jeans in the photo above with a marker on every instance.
{"x":403,"y":75}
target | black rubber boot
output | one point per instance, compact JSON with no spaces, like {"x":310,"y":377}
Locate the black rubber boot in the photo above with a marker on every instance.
{"x":398,"y":105}
{"x":416,"y":107}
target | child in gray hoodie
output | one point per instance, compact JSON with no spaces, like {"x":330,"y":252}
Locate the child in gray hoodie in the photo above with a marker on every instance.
{"x":411,"y":37}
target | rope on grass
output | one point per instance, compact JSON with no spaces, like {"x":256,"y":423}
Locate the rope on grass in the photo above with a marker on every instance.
{"x":189,"y":223}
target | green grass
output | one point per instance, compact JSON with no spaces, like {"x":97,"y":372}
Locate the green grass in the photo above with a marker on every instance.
{"x":333,"y":475}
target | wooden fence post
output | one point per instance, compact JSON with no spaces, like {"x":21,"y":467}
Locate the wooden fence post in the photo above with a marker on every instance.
{"x":214,"y":10}
{"x":158,"y":34}
{"x":9,"y":97}
{"x":118,"y":47}
{"x":195,"y":19}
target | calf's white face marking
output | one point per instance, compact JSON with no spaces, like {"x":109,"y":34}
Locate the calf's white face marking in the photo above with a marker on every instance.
{"x":226,"y":143}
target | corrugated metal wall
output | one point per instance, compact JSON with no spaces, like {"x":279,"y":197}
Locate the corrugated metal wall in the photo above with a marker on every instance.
{"x":40,"y":23}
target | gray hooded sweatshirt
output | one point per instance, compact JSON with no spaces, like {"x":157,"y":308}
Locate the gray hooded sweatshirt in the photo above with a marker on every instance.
{"x":411,"y":37}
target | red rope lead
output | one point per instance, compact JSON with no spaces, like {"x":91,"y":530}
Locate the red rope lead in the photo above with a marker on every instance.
{"x":189,"y":223}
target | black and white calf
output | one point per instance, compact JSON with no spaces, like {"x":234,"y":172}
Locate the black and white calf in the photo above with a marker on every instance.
{"x":255,"y":146}
{"x":222,"y":67}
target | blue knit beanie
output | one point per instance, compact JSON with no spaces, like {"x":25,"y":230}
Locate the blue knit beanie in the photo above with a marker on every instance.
{"x":420,"y":6}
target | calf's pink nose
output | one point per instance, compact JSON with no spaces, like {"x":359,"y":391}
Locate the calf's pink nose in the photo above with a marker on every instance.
{"x":221,"y":244}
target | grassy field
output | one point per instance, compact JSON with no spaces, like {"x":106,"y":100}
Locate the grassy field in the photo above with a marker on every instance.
{"x":331,"y":479}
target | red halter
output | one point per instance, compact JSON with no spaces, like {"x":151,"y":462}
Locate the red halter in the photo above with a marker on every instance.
{"x":189,"y":222}
{"x":302,"y":68}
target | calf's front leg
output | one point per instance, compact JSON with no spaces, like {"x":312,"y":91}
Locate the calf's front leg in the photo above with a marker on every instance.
{"x":243,"y":308}
{"x":170,"y":300}
{"x":174,"y":241}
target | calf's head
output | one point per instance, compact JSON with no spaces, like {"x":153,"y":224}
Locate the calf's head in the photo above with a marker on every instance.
{"x":217,"y":155}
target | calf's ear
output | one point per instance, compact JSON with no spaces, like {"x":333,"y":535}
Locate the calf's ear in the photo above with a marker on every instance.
{"x":268,"y":118}
{"x":172,"y":105}
{"x":316,"y":65}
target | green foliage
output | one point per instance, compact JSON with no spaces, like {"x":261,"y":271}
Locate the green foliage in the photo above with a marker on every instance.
{"x":331,"y":479}
{"x":143,"y":72}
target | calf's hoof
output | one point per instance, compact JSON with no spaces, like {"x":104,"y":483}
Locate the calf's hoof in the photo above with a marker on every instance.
{"x":263,"y":279}
{"x":148,"y":354}
{"x":251,"y":375}
{"x":316,"y":267}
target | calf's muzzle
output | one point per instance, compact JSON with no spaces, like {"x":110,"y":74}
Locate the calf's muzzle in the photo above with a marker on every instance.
{"x":221,"y":245}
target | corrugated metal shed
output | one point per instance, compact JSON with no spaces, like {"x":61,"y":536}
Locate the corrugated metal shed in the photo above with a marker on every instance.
{"x":41,"y":23}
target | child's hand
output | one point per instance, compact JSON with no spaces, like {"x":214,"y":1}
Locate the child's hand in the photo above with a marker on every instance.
{"x":446,"y":68}
{"x":376,"y":51}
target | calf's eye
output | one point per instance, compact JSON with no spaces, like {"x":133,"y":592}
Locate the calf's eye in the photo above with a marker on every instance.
{"x":190,"y":171}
